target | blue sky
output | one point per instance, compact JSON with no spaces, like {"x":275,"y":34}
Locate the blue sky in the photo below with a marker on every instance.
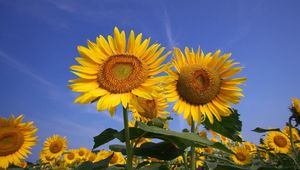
{"x":38,"y":41}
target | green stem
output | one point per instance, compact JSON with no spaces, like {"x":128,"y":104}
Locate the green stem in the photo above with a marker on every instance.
{"x":193,"y":154}
{"x":185,"y":160}
{"x":292,"y":142}
{"x":127,"y":138}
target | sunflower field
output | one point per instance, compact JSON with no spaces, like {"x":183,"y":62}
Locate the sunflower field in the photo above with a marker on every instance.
{"x":129,"y":71}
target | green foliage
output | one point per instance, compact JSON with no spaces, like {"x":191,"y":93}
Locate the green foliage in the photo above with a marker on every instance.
{"x":261,"y":130}
{"x":104,"y":137}
{"x":229,"y":127}
{"x":103,"y":164}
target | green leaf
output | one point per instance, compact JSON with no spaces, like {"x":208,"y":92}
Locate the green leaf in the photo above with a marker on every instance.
{"x":229,"y":127}
{"x":156,"y":166}
{"x":104,"y":137}
{"x":261,"y":130}
{"x":103,"y":164}
{"x":142,"y":164}
{"x":181,"y":139}
{"x":118,"y":148}
{"x":161,"y":150}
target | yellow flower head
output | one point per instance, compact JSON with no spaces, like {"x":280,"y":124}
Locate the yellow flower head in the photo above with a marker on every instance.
{"x":16,"y":139}
{"x":251,"y":147}
{"x":278,"y":141}
{"x":117,"y":159}
{"x":242,"y":156}
{"x":203,"y":85}
{"x":55,"y":146}
{"x":46,"y":159}
{"x":82,"y":153}
{"x":150,"y":109}
{"x":70,"y":157}
{"x":296,"y":105}
{"x":115,"y":71}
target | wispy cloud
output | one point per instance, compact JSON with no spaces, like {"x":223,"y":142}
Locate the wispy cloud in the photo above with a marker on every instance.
{"x":91,"y":108}
{"x":64,"y":125}
{"x":167,"y":23}
{"x":11,"y":61}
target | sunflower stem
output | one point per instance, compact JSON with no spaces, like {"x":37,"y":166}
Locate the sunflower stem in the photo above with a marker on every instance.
{"x":127,"y":139}
{"x":193,"y":154}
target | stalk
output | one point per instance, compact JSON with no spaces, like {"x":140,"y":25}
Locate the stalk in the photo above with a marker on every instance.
{"x":193,"y":154}
{"x":127,"y":139}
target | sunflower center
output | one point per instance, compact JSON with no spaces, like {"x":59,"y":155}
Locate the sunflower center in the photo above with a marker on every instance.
{"x":121,"y":73}
{"x":71,"y":156}
{"x":198,"y":85}
{"x":81,"y":153}
{"x":280,"y":141}
{"x":56,"y":147}
{"x":11,"y":140}
{"x":149,"y":107}
{"x":240,"y":156}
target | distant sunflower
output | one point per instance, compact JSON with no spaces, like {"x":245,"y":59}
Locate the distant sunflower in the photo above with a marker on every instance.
{"x":242,"y":156}
{"x":251,"y":147}
{"x":296,"y":105}
{"x":150,"y":109}
{"x":16,"y":139}
{"x":55,"y":146}
{"x":203,"y":84}
{"x":70,"y":157}
{"x":46,"y":159}
{"x":278,"y":141}
{"x":113,"y":71}
{"x":82,"y":153}
{"x":117,"y":159}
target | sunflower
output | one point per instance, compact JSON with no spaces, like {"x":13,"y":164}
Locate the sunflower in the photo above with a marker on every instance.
{"x":242,"y":156}
{"x":296,"y":105}
{"x":113,"y":71}
{"x":150,"y":109}
{"x":70,"y":157}
{"x":117,"y":159}
{"x":199,"y":157}
{"x":82,"y":153}
{"x":46,"y":159}
{"x":16,"y":139}
{"x":295,"y":135}
{"x":203,"y":85}
{"x":55,"y":146}
{"x":278,"y":141}
{"x":251,"y":147}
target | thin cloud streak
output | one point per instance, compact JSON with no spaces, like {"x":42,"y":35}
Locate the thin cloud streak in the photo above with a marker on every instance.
{"x":168,"y":28}
{"x":9,"y":60}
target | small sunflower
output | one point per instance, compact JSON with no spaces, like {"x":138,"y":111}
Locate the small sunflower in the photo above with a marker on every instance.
{"x":150,"y":109}
{"x":16,"y":139}
{"x":70,"y":157}
{"x":113,"y":71}
{"x":296,"y":105}
{"x":199,"y":157}
{"x":242,"y":156}
{"x":251,"y":147}
{"x":278,"y":141}
{"x":203,"y":86}
{"x":82,"y":153}
{"x":46,"y":159}
{"x":117,"y":159}
{"x":102,"y":155}
{"x":55,"y":146}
